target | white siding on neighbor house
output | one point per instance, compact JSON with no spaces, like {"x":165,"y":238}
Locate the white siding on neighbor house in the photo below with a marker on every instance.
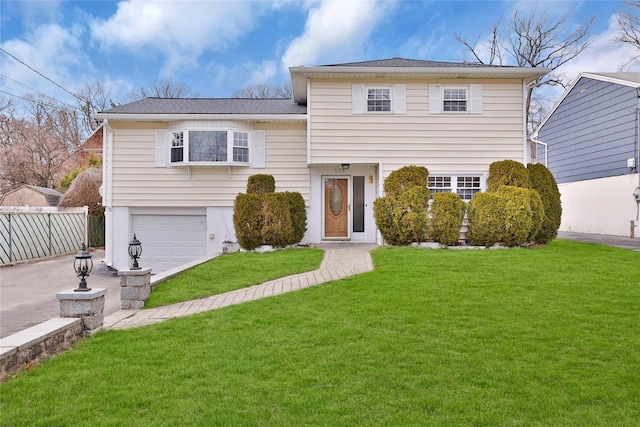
{"x":600,"y":206}
{"x":138,"y":182}
{"x":445,"y":142}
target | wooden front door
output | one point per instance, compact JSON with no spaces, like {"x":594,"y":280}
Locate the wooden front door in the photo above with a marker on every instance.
{"x":336,"y":211}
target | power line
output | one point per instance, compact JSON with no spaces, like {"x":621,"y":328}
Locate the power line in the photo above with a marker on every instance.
{"x":42,"y":75}
{"x":36,"y":91}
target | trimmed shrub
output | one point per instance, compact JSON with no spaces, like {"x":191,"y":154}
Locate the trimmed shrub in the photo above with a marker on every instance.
{"x":298,"y":212}
{"x":401,"y":216}
{"x":447,"y":212}
{"x":261,"y":184}
{"x":537,"y":214}
{"x":277,"y":229}
{"x":486,"y":219}
{"x":544,"y":183}
{"x":383,"y":209}
{"x":507,"y":172}
{"x":517,"y":220}
{"x":404,"y":178}
{"x":247,"y":220}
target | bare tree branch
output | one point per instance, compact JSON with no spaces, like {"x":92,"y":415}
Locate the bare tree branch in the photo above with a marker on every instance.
{"x":264,"y":91}
{"x":629,"y":28}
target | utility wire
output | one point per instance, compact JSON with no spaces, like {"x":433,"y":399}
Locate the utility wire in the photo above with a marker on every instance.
{"x":42,"y":75}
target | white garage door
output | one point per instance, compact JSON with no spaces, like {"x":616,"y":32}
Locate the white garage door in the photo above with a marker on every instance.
{"x":169,"y":241}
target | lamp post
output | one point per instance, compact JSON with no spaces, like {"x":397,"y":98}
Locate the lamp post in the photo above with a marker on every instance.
{"x":135,"y":250}
{"x":83,"y":264}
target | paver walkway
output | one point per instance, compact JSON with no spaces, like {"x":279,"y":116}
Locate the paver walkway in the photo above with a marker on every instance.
{"x":340,"y":261}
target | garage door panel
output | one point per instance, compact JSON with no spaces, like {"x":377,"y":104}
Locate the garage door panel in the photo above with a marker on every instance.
{"x":169,"y":241}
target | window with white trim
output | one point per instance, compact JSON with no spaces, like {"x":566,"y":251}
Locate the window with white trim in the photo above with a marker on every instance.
{"x":454,"y":99}
{"x":210,"y":147}
{"x":378,"y":99}
{"x":390,"y":99}
{"x":464,"y":186}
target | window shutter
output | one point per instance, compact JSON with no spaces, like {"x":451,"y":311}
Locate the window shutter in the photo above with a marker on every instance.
{"x":400,"y":99}
{"x":476,"y":99}
{"x":435,"y":99}
{"x":161,"y":148}
{"x":357,"y":99}
{"x":259,"y":151}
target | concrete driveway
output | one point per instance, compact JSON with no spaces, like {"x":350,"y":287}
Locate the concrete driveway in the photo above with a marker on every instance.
{"x":28,"y":291}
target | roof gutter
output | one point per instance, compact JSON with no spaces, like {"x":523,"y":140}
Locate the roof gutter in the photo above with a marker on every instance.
{"x":160,"y":117}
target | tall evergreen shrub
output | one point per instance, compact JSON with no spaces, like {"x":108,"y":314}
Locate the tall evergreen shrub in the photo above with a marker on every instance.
{"x":544,"y":183}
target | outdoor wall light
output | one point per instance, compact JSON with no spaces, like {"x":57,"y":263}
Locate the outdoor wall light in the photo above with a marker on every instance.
{"x":135,"y":250}
{"x":83,"y":264}
{"x":345,"y":166}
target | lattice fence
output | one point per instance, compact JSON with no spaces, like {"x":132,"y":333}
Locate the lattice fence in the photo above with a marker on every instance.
{"x":31,"y":233}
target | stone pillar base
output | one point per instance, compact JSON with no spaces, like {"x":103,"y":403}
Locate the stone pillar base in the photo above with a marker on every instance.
{"x":135,"y":288}
{"x":88,"y":306}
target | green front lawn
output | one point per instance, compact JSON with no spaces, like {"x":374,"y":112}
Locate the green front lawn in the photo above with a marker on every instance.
{"x":234,"y":271}
{"x":542,"y":336}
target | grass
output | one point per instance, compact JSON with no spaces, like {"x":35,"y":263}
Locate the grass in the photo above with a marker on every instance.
{"x":543,"y":336}
{"x":234,"y":271}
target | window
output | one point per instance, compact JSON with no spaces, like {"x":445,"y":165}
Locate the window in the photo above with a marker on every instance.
{"x":177,"y":144}
{"x":454,"y":99}
{"x":440,"y":184}
{"x":210,"y":146}
{"x":241,"y":147}
{"x":464,"y":186}
{"x":468,"y":186}
{"x":378,"y":99}
{"x":391,"y":99}
{"x":465,"y":99}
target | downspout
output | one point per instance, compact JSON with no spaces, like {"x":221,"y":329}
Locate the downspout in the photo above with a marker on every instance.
{"x":308,"y":122}
{"x":107,"y":190}
{"x":525,"y":91}
{"x":546,"y":149}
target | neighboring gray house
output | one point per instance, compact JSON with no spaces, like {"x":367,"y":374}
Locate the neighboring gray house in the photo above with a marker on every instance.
{"x":592,"y":139}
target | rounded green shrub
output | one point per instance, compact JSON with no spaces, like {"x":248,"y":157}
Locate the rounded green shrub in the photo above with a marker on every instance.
{"x":486,"y":219}
{"x":518,"y":221}
{"x":298,"y":212}
{"x":507,"y":172}
{"x":544,"y":183}
{"x":537,"y":214}
{"x":404,"y":178}
{"x":277,"y":228}
{"x":447,"y":213}
{"x":261,"y":184}
{"x":383,"y":210}
{"x":247,"y":220}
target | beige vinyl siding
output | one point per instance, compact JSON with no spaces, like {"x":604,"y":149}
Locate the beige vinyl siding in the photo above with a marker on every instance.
{"x":138,"y":183}
{"x":446,"y":142}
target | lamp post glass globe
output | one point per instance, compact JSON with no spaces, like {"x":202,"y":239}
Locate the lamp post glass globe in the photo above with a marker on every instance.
{"x":83,"y":264}
{"x":135,"y":250}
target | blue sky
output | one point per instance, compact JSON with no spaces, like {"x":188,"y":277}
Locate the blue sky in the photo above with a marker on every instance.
{"x":218,"y":47}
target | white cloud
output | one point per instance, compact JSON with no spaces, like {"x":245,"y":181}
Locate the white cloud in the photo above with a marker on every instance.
{"x":604,"y":56}
{"x":262,"y":72}
{"x":335,"y":30}
{"x":53,"y":51}
{"x":182,"y":31}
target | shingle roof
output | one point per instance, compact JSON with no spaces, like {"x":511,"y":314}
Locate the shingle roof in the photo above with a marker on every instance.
{"x":403,"y":62}
{"x":209,"y":106}
{"x":52,"y":196}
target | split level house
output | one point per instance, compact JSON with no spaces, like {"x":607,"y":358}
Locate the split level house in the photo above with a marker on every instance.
{"x":591,"y":143}
{"x":173,"y":167}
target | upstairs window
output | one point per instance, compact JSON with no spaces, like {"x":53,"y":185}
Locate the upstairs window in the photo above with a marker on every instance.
{"x":210,"y":146}
{"x":378,"y":99}
{"x":454,"y":99}
{"x":390,"y":99}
